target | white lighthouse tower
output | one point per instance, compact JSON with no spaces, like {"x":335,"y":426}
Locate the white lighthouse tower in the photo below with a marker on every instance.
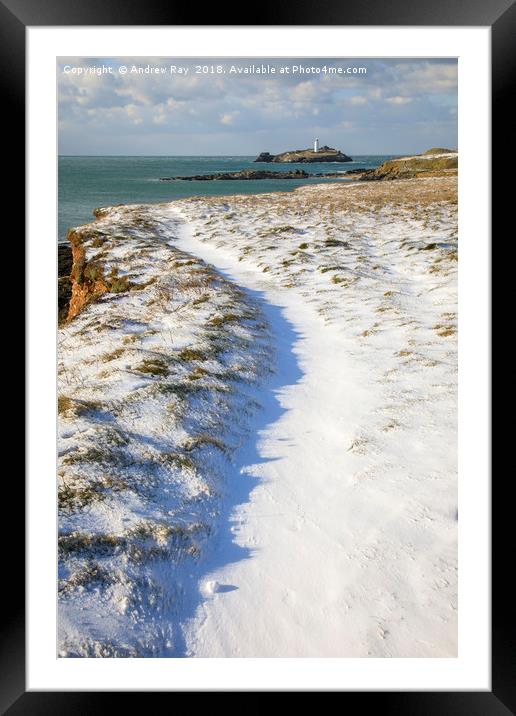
{"x":316,"y":145}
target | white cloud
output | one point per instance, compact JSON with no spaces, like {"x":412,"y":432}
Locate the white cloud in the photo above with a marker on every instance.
{"x":134,"y":114}
{"x":228,"y":118}
{"x":429,"y":77}
{"x":358,"y":100}
{"x":305,"y":91}
{"x":398,"y":100}
{"x":268,"y":110}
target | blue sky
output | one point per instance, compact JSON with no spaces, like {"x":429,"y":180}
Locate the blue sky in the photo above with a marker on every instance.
{"x":398,"y":106}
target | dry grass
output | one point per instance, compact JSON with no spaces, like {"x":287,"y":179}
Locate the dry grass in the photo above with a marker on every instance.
{"x":153,"y":366}
{"x":202,"y":440}
{"x":224,"y":318}
{"x":410,"y":195}
{"x":64,"y":404}
{"x":67,"y":406}
{"x":188,"y":354}
{"x":72,"y":496}
{"x":107,"y":357}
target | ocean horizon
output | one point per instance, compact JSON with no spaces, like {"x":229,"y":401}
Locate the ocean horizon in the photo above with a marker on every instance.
{"x":86,"y":182}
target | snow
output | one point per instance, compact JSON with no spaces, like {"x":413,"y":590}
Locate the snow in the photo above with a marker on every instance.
{"x":443,"y":155}
{"x":333,"y":531}
{"x":146,"y":381}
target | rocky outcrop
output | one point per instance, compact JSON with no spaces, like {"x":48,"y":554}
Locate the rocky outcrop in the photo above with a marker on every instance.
{"x":243,"y":174}
{"x":433,"y":162}
{"x":336,"y":175}
{"x":64,"y":281}
{"x":265,"y":157}
{"x":352,"y":172}
{"x":325,"y":154}
{"x":87,"y":278}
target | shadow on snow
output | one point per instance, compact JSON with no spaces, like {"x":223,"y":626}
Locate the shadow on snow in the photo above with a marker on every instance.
{"x":241,"y":481}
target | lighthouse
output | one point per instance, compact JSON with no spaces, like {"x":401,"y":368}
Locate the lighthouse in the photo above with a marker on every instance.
{"x":316,"y":145}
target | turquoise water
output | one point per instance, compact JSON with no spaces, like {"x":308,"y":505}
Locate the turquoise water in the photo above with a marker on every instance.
{"x":88,"y":182}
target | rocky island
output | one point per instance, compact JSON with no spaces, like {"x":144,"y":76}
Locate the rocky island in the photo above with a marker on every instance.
{"x":242,"y":174}
{"x":304,"y":156}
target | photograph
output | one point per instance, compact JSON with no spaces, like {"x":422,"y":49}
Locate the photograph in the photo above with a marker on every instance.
{"x":257,"y":330}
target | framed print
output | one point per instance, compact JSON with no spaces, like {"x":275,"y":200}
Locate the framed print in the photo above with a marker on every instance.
{"x":258,"y":449}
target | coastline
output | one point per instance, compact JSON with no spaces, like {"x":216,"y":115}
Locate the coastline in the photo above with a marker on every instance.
{"x":365,"y":276}
{"x":86,"y":182}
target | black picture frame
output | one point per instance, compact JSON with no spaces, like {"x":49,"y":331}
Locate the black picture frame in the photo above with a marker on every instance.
{"x":500,"y":16}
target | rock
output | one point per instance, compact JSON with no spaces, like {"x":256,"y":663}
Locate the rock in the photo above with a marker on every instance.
{"x":64,"y":282}
{"x":439,"y":150}
{"x":88,"y":279}
{"x":265,"y":157}
{"x":64,"y":260}
{"x":325,"y":154}
{"x":341,"y":174}
{"x":437,"y":162}
{"x":243,"y":174}
{"x":358,"y":171}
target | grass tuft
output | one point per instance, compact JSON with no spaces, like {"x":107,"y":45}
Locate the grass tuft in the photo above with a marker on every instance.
{"x":153,"y":366}
{"x":191,"y":354}
{"x":202,"y":440}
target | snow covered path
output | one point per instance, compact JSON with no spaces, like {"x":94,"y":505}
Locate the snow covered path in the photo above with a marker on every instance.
{"x":258,"y":458}
{"x":347,"y":544}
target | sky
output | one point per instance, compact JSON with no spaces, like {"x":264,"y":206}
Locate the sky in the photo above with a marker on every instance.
{"x":166,"y":106}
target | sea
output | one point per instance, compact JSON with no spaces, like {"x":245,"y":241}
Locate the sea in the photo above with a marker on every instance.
{"x":85,"y":183}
